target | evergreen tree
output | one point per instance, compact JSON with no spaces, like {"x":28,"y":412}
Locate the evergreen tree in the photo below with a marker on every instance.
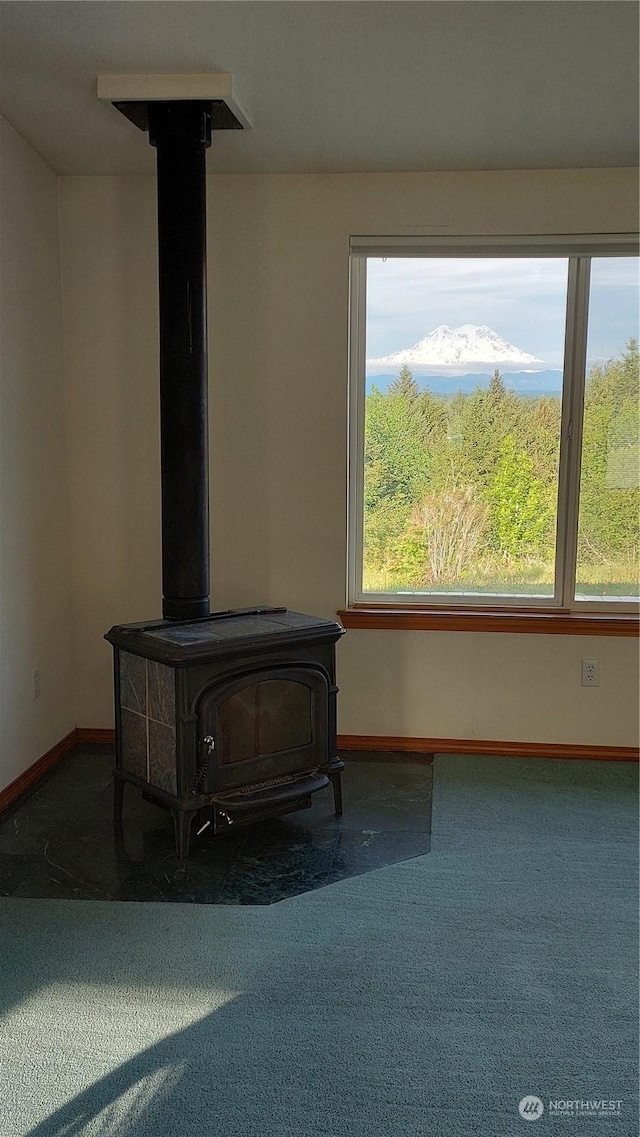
{"x":434,"y":415}
{"x":482,"y":427}
{"x":497,"y":389}
{"x":519,"y":516}
{"x":609,"y":491}
{"x":404,"y":384}
{"x":397,"y":471}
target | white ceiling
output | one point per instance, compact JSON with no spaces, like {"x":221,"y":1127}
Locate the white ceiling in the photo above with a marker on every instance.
{"x":337,"y":86}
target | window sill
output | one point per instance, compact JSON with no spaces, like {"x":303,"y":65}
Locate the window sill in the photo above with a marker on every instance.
{"x":480,"y":620}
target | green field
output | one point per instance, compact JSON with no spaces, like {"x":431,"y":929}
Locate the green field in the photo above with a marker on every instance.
{"x":604,"y":581}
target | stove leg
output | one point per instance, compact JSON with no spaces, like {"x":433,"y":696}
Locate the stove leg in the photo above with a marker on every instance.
{"x":182,"y":824}
{"x":336,"y":782}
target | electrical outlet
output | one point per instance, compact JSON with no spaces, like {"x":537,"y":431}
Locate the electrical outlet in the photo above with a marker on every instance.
{"x":590,"y":672}
{"x":35,"y":685}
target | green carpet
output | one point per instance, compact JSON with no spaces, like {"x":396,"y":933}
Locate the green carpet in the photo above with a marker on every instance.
{"x":421,"y":1000}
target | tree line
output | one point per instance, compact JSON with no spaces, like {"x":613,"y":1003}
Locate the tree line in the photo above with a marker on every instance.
{"x":464,"y":488}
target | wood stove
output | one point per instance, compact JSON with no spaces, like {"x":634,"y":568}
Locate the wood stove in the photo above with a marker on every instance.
{"x":231,"y":718}
{"x":230,"y":715}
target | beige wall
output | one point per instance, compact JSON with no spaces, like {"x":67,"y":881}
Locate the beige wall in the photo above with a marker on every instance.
{"x":278,"y":393}
{"x":35,"y":611}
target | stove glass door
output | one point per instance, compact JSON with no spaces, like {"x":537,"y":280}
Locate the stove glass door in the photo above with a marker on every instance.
{"x":267,"y":724}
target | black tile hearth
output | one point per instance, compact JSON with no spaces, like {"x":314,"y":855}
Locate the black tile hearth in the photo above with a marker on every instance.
{"x":59,"y":840}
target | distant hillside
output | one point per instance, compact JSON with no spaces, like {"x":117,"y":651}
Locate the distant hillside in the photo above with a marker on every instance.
{"x":523,"y":382}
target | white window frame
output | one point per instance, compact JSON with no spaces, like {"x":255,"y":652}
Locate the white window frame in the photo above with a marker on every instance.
{"x":579,"y":250}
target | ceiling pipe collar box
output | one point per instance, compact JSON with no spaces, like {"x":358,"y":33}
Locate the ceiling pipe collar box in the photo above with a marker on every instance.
{"x":131,"y":94}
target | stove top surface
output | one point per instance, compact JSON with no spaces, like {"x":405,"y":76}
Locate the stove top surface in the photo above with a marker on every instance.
{"x":182,"y":640}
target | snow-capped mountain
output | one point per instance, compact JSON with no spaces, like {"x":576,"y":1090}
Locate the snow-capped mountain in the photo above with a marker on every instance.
{"x":470,"y":343}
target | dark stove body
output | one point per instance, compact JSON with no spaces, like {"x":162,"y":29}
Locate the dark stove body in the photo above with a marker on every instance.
{"x":232,"y":717}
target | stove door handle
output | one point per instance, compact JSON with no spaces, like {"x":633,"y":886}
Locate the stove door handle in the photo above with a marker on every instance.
{"x":203,"y":769}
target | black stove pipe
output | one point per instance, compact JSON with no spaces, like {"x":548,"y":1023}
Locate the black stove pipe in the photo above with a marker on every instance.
{"x":181,"y":133}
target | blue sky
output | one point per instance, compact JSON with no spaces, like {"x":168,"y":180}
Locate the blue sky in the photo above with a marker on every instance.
{"x":524,"y":301}
{"x":614,"y":314}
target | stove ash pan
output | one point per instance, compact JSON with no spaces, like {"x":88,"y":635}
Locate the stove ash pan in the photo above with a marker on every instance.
{"x":230,"y":718}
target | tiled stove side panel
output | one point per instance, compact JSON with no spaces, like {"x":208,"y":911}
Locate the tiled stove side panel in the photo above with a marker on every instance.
{"x":148,"y":720}
{"x":161,"y":710}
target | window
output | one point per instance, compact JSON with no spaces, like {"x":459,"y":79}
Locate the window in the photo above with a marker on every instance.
{"x":494,"y":450}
